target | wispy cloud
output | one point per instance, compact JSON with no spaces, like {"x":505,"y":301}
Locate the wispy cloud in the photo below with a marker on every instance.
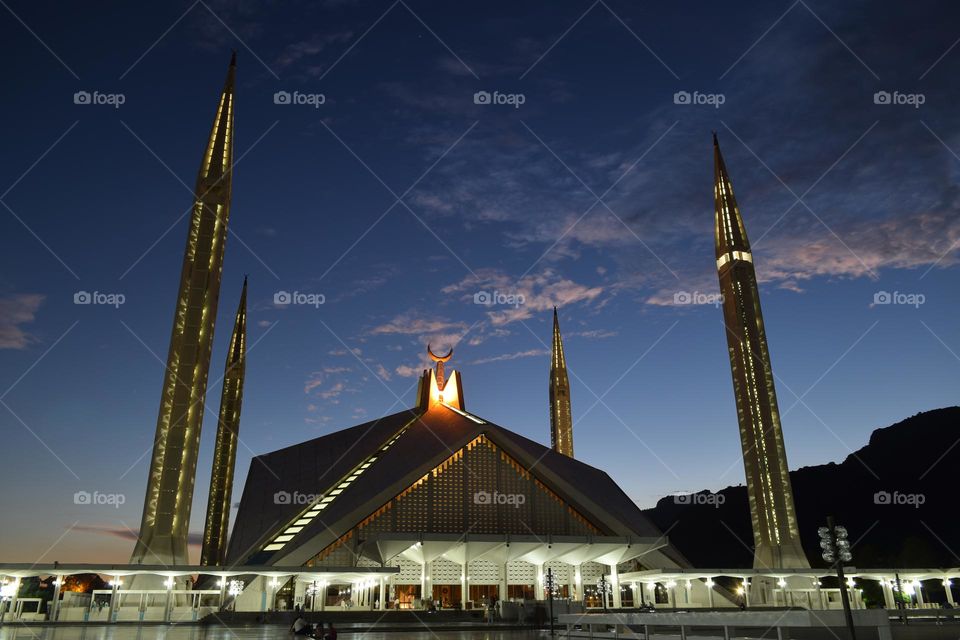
{"x":17,"y":310}
{"x":530,"y":353}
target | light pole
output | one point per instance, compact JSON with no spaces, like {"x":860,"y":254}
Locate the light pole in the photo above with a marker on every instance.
{"x":604,"y":588}
{"x":551,"y":585}
{"x":836,"y":550}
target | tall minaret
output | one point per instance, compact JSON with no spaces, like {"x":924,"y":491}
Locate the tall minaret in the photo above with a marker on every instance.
{"x":776,"y":536}
{"x":214,"y":550}
{"x":561,"y":418}
{"x":166,"y":508}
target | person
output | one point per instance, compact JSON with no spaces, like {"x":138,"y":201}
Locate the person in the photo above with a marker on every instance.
{"x":301,"y":627}
{"x":331,"y":633}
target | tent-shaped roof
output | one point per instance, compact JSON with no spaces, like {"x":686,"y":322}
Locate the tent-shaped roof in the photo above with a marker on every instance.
{"x":369,"y":464}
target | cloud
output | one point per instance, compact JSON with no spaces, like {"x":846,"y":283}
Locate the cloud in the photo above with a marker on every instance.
{"x":193,"y":539}
{"x":406,"y":371}
{"x":310,"y":47}
{"x":16,"y":310}
{"x":531,"y":353}
{"x":414,"y":324}
{"x":382,"y":371}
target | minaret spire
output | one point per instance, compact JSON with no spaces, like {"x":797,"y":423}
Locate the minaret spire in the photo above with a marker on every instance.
{"x":561,"y":417}
{"x":214,"y":550}
{"x":166,"y":510}
{"x":775,"y":531}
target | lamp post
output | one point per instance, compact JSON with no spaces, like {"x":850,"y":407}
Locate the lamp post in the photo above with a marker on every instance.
{"x":836,"y":550}
{"x":551,"y":585}
{"x":604,"y":588}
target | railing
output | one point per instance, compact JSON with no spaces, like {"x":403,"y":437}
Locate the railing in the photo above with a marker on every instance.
{"x":728,"y":625}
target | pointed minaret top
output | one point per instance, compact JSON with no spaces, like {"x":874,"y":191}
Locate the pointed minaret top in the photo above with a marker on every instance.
{"x":218,"y":154}
{"x":729,"y":235}
{"x":558,"y":361}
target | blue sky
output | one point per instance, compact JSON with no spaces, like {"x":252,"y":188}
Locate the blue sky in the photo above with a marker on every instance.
{"x":399,"y":198}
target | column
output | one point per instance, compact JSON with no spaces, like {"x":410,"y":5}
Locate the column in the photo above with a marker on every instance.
{"x":383,"y":595}
{"x":322,"y":595}
{"x":538,"y":593}
{"x":504,"y":591}
{"x":168,"y":607}
{"x":424,"y":581}
{"x":634,"y":592}
{"x":819,"y":593}
{"x":13,"y":598}
{"x":114,"y":585}
{"x":578,"y":582}
{"x":686,"y":592}
{"x":54,"y":611}
{"x":947,"y":589}
{"x":709,"y":585}
{"x":919,"y":590}
{"x":615,"y":583}
{"x":463,"y":584}
{"x":887,"y":593}
{"x":746,"y":591}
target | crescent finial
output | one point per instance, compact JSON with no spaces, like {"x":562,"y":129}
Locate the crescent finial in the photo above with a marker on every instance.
{"x":437,"y":358}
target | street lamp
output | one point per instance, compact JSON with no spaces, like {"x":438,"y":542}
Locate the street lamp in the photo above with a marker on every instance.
{"x":603,"y":588}
{"x":834,"y":540}
{"x":551,"y":584}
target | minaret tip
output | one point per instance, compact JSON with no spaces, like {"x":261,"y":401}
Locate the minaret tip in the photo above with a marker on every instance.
{"x":233,"y":58}
{"x":715,"y":143}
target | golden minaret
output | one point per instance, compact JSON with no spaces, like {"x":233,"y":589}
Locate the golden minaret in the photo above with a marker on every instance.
{"x":166,"y":509}
{"x":776,"y":535}
{"x":214,"y":550}
{"x":561,"y":418}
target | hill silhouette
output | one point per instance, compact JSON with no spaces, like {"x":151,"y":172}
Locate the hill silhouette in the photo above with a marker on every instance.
{"x":897,"y":496}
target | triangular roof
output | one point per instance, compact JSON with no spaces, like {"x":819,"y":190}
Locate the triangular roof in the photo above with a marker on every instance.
{"x":427,"y":439}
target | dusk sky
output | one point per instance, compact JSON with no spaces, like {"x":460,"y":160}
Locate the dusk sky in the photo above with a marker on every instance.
{"x":397,"y":197}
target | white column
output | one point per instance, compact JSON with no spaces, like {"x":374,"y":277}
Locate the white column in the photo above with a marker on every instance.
{"x":709,"y":585}
{"x":634,"y":593}
{"x":423,"y":582}
{"x":464,"y":583}
{"x":578,"y":581}
{"x":504,"y":590}
{"x":686,"y":592}
{"x":919,"y":590}
{"x":947,"y":588}
{"x":538,"y":586}
{"x":115,"y":584}
{"x":383,"y":595}
{"x":55,"y":605}
{"x":615,"y":583}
